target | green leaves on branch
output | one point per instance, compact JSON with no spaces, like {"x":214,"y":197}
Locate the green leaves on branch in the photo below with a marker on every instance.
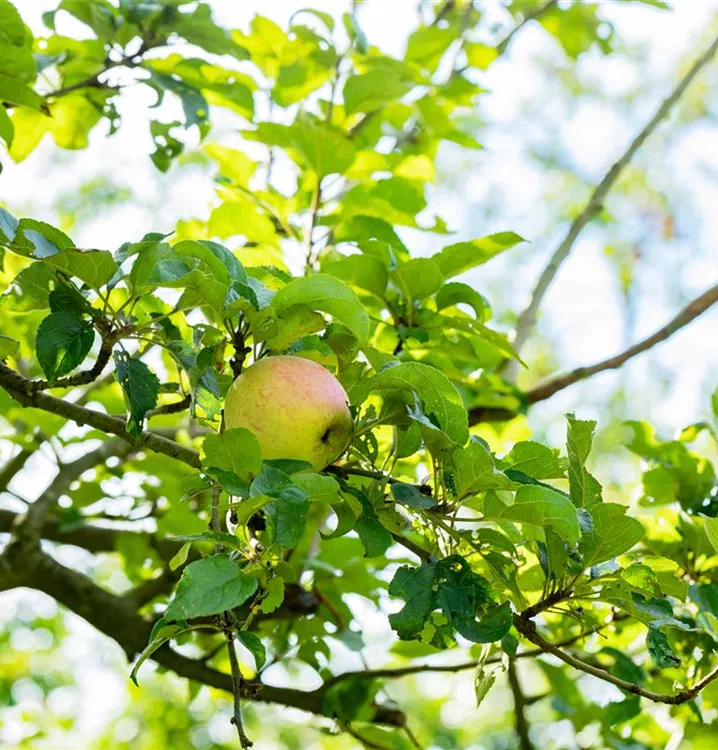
{"x":209,"y":587}
{"x":140,"y":386}
{"x":62,"y":342}
{"x":441,"y":403}
{"x":327,"y":294}
{"x":465,"y":599}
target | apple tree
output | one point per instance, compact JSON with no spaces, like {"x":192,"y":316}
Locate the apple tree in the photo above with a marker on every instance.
{"x":116,"y":362}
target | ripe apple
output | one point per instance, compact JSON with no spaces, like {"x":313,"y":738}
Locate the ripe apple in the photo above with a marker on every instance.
{"x":295,"y":408}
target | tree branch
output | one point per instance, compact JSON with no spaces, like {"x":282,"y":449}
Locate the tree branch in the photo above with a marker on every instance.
{"x":21,"y":390}
{"x":32,"y":525}
{"x":532,"y":15}
{"x":244,"y":741}
{"x":81,"y":378}
{"x":527,"y":318}
{"x":528,"y":629}
{"x":397,"y":672}
{"x":688,"y":314}
{"x":520,"y":704}
{"x":23,"y":564}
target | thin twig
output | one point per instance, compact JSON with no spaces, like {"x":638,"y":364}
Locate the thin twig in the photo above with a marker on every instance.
{"x":532,"y":15}
{"x":520,"y":704}
{"x":173,"y":408}
{"x":527,"y":628}
{"x":397,"y":672}
{"x":244,"y":741}
{"x":688,"y":314}
{"x":527,"y":319}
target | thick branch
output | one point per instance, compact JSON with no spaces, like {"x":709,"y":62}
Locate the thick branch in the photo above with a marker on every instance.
{"x":14,"y":466}
{"x":688,"y":314}
{"x":26,"y":565}
{"x":67,"y":474}
{"x":21,"y":390}
{"x":520,"y":704}
{"x":527,"y":318}
{"x":527,"y":628}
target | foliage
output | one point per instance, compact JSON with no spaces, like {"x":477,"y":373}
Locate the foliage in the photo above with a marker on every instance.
{"x":472,"y":544}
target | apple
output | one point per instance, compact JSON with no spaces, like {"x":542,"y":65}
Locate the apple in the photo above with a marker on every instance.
{"x":295,"y":407}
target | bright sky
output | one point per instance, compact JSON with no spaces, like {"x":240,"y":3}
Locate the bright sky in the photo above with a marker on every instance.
{"x":583,"y":309}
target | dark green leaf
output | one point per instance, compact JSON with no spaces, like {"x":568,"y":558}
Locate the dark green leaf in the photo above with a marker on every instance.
{"x":141,"y":388}
{"x":62,"y":342}
{"x":660,"y":650}
{"x":411,"y":496}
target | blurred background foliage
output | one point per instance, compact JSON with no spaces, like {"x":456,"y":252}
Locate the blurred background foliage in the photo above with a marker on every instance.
{"x":567,"y":95}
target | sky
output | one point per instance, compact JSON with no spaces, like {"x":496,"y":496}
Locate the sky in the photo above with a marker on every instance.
{"x":583,"y":310}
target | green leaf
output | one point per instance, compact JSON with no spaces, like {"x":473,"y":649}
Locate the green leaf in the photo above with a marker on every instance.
{"x":140,"y":386}
{"x":311,"y":143}
{"x":199,"y":29}
{"x":711,"y":527}
{"x":274,"y":596}
{"x":180,"y":557}
{"x":474,"y":471}
{"x":99,"y":15}
{"x":494,"y":625}
{"x":542,"y":506}
{"x":12,"y":28}
{"x":39,"y":240}
{"x":236,"y":450}
{"x":483,"y":682}
{"x":94,"y":267}
{"x":8,"y":226}
{"x":440,"y":399}
{"x":427,"y":45}
{"x":369,"y":91}
{"x":62,"y":342}
{"x":326,"y":294}
{"x":17,"y":62}
{"x":584,"y":489}
{"x":209,"y":587}
{"x":361,"y":271}
{"x":417,"y":279}
{"x":536,"y":460}
{"x":286,"y":519}
{"x":462,"y":256}
{"x":14,"y":91}
{"x":451,"y":586}
{"x":660,"y":650}
{"x":161,"y":634}
{"x":374,"y":537}
{"x":8,"y":347}
{"x":614,"y":533}
{"x":254,"y":645}
{"x":410,"y":496}
{"x":455,"y":293}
